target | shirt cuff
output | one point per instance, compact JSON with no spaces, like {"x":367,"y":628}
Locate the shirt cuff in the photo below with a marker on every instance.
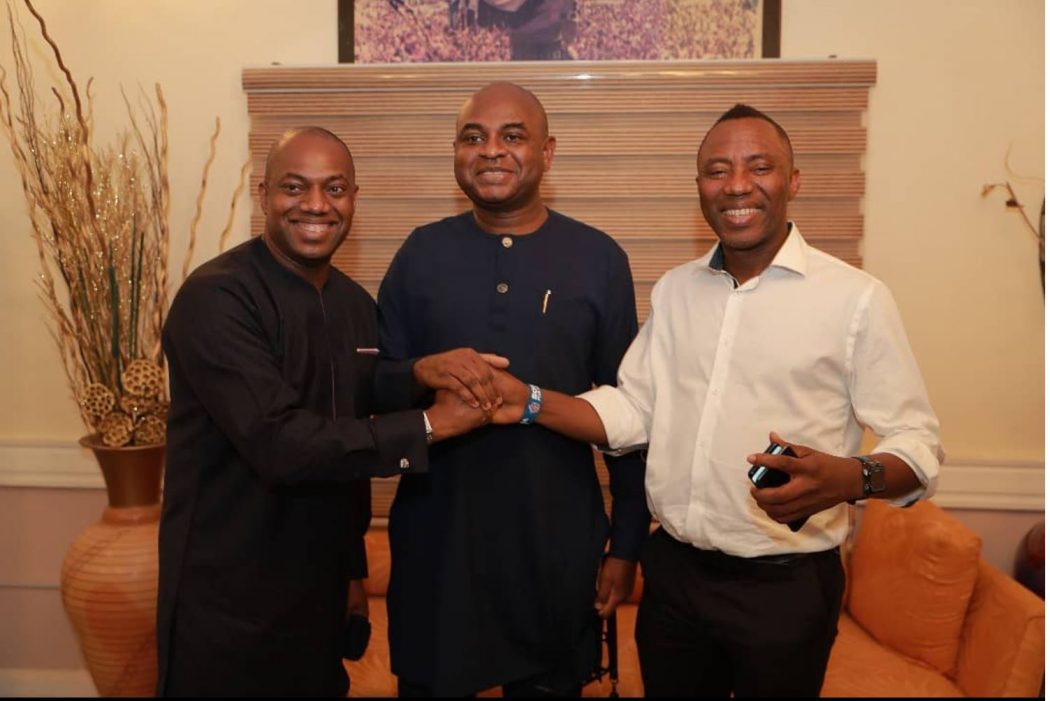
{"x":624,"y":431}
{"x":401,"y":442}
{"x":924,"y":460}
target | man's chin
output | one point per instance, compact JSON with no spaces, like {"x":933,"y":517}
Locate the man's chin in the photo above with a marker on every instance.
{"x":492,"y":201}
{"x":743,"y":241}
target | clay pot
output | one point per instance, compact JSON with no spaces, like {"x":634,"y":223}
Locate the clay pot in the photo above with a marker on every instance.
{"x":109,"y":575}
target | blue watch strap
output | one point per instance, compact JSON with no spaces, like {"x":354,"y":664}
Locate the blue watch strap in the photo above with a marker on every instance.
{"x":533,"y":405}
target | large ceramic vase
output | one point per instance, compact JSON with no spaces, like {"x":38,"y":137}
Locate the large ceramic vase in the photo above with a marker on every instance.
{"x":109,"y":576}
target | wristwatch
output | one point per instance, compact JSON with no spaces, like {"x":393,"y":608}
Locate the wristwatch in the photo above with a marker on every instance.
{"x":873,"y":474}
{"x":428,"y":428}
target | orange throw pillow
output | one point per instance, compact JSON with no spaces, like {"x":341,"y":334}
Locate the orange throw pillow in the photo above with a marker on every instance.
{"x":912,"y":574}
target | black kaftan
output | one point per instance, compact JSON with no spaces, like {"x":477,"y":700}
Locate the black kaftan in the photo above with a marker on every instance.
{"x":264,"y":502}
{"x":496,"y":549}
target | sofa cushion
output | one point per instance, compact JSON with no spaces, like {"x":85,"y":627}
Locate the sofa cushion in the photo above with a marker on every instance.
{"x":912,"y":576}
{"x":860,"y":666}
{"x":377,"y":547}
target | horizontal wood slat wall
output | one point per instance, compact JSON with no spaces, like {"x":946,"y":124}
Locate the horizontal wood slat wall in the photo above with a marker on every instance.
{"x":625,"y":161}
{"x":627,"y":137}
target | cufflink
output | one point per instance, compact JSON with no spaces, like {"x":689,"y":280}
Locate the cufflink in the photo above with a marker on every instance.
{"x":404,"y":464}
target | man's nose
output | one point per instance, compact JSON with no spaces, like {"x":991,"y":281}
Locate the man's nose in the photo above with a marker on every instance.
{"x":314,"y":200}
{"x":739,"y":182}
{"x":493,"y":147}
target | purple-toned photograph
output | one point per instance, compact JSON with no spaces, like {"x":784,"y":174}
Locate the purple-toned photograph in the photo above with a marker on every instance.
{"x":420,"y":31}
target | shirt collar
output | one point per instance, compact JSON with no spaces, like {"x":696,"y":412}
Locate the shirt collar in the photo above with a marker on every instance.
{"x":791,"y":256}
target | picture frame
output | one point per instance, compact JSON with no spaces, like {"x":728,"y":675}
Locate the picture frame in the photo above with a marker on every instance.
{"x":481,"y":31}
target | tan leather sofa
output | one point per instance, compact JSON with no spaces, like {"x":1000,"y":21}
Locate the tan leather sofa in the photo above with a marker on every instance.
{"x":923,"y":615}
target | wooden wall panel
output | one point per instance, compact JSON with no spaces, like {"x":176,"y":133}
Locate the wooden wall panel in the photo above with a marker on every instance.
{"x":627,"y":137}
{"x":625,"y":161}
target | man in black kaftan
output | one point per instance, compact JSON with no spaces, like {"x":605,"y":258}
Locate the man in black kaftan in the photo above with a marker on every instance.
{"x":270,"y":444}
{"x":496,"y":550}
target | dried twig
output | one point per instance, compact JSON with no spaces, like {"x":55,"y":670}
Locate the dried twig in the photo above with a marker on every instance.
{"x":99,"y":216}
{"x":241,"y":182}
{"x":1012,"y":203}
{"x":200,"y":199}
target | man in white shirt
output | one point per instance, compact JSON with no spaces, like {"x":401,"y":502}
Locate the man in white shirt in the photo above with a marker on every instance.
{"x":762,"y":339}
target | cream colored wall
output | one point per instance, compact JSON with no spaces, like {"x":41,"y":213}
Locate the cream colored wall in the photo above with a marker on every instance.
{"x":960,"y":83}
{"x":195,"y":49}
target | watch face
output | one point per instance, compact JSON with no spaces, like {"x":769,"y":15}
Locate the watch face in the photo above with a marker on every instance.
{"x":878,"y":480}
{"x":874,"y":476}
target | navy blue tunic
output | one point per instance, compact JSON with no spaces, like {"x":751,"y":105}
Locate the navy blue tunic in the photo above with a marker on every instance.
{"x":497,"y":548}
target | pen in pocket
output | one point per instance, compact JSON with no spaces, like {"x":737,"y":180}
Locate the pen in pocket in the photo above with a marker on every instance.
{"x":546,"y":298}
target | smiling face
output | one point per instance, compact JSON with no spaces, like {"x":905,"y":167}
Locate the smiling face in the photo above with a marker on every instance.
{"x":308,"y":197}
{"x":502,"y":149}
{"x":746,"y":177}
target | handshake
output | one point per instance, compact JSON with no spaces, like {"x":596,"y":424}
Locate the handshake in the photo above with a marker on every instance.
{"x":471,"y":389}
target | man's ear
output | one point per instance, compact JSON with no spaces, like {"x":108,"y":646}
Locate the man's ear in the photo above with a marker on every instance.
{"x":264,"y":196}
{"x":548,"y":152}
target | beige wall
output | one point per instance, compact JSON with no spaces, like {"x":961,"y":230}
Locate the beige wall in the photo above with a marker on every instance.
{"x":195,"y":49}
{"x":960,"y":81}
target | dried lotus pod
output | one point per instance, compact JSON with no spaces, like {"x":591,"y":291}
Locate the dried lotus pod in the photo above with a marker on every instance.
{"x":97,"y":399}
{"x":143,"y":378}
{"x":150,"y":431}
{"x":116,"y":429}
{"x":136,"y":407}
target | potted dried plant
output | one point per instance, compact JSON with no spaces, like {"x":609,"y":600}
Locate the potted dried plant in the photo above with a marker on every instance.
{"x":99,"y":215}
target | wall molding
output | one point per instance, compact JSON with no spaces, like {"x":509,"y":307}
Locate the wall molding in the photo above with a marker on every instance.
{"x":49,"y":464}
{"x":1007,"y":485}
{"x":1000,"y":485}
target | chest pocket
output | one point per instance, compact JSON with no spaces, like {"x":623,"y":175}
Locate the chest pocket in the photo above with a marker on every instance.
{"x":565,"y":338}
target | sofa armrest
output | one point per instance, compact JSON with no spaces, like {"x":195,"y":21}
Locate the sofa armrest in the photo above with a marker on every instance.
{"x":1001,"y":650}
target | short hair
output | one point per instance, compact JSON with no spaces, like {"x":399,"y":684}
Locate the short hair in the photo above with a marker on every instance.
{"x":742,"y":111}
{"x":290,"y":134}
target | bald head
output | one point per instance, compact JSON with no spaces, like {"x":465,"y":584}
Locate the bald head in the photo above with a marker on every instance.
{"x":292,"y":134}
{"x":500,"y":93}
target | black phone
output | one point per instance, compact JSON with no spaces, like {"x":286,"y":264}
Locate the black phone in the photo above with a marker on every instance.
{"x":768,"y":477}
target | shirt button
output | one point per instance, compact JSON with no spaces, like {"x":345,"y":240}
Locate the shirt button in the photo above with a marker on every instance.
{"x":502,"y":288}
{"x":404,"y":464}
{"x":507,"y":242}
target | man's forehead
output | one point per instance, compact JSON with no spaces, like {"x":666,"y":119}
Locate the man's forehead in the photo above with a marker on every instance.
{"x":758,"y":133}
{"x":503,"y":105}
{"x":291,"y":154}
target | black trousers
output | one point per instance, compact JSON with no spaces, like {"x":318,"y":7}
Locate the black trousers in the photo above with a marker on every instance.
{"x":710,"y":624}
{"x":537,"y":687}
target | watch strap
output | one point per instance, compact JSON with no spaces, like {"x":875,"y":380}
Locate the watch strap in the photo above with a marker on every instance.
{"x":873,"y":476}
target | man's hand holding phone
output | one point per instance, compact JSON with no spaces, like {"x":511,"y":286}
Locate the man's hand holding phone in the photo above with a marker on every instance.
{"x":767,"y":477}
{"x":792,"y":482}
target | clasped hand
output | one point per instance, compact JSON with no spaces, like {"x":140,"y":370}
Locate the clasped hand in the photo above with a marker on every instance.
{"x":471,"y":390}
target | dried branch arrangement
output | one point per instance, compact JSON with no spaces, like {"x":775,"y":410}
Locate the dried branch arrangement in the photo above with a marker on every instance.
{"x":100,"y":218}
{"x":1012,"y":202}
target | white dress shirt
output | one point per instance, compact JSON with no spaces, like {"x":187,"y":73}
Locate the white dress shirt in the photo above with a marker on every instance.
{"x":812,"y":348}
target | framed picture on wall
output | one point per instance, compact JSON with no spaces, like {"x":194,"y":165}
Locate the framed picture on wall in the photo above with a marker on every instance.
{"x":423,"y":31}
